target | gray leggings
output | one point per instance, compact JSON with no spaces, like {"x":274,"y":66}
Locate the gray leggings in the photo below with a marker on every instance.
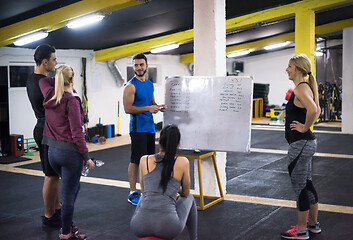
{"x":300,"y":154}
{"x":164,"y":223}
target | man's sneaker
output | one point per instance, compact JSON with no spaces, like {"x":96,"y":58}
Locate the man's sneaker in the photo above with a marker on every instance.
{"x":72,"y":236}
{"x":134,"y":198}
{"x":54,"y":221}
{"x":294,"y":234}
{"x":314,"y":228}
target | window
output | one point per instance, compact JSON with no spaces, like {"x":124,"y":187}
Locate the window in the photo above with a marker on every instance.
{"x":19,"y":75}
{"x":151,"y":74}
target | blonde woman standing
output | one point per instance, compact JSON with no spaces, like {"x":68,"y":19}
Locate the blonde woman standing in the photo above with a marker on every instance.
{"x":302,"y":111}
{"x":67,"y":146}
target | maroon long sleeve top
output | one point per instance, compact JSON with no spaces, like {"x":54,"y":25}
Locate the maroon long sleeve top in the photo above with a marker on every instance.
{"x":63,"y":121}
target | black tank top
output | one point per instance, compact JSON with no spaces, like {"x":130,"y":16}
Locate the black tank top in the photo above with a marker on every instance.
{"x":294,"y":113}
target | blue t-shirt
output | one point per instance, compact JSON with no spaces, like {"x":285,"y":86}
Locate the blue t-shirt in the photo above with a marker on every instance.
{"x":142,"y":122}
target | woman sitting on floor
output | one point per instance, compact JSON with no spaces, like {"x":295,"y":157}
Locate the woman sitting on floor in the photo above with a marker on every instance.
{"x":159,"y":213}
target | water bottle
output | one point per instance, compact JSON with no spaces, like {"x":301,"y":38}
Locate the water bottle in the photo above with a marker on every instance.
{"x":85,"y":169}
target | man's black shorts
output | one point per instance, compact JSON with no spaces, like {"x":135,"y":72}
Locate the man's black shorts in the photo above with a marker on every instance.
{"x":43,"y":150}
{"x":142,"y":144}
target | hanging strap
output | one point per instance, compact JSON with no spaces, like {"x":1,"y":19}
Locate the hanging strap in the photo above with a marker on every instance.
{"x":147,"y":164}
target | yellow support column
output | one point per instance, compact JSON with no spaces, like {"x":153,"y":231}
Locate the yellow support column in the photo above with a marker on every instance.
{"x":305,"y":34}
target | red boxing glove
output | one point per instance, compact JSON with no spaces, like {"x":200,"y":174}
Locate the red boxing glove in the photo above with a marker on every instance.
{"x":288,"y":94}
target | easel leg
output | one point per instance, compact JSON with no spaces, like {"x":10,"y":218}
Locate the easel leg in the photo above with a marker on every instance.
{"x":200,"y":184}
{"x":217,"y":175}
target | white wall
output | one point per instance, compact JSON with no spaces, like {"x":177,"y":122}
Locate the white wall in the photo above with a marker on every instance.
{"x":102,"y":91}
{"x":347,"y":81}
{"x":104,"y":94}
{"x":268,"y":68}
{"x":21,"y":116}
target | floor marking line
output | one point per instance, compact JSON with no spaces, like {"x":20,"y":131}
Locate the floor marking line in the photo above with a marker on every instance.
{"x":93,"y":180}
{"x":260,"y":200}
{"x":108,"y":182}
{"x":18,"y":164}
{"x":263,"y":150}
{"x":280,"y":128}
{"x":229,"y":197}
{"x":286,"y":203}
{"x":257,"y":150}
{"x":333,"y":155}
{"x":271,"y":128}
{"x":31,"y":172}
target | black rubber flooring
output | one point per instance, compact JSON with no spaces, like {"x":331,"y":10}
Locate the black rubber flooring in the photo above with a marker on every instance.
{"x":12,"y":159}
{"x":103,"y":213}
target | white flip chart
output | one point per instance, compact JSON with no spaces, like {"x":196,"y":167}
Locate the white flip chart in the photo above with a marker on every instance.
{"x":212,"y":113}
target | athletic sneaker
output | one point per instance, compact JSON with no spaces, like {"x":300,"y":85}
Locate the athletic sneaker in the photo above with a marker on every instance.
{"x":314,"y":228}
{"x":54,"y":221}
{"x":294,"y":234}
{"x":74,"y":229}
{"x":134,"y":198}
{"x":72,"y":235}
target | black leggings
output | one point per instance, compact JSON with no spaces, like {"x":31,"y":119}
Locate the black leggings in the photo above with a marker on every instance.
{"x":300,"y":154}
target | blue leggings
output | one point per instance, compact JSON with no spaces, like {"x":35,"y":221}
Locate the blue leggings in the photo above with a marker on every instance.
{"x":68,"y":165}
{"x":300,"y":154}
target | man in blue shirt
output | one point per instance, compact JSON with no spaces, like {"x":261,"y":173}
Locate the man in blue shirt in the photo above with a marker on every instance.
{"x":139,"y":102}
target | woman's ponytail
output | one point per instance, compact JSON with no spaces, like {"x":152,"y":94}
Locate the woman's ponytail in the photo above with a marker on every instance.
{"x":169,"y":141}
{"x":313,"y":86}
{"x":63,"y":78}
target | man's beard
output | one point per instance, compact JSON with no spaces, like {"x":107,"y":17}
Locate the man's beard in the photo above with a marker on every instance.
{"x":141,"y":75}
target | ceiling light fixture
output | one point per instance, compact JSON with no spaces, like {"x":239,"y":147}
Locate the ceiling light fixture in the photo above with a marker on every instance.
{"x":320,"y":39}
{"x":30,"y":38}
{"x":277,"y":45}
{"x":84,"y":21}
{"x":165,"y":48}
{"x":240,"y":53}
{"x":319,"y":53}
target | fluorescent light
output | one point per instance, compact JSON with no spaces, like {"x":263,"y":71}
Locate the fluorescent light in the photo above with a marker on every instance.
{"x":240,"y":53}
{"x":319,"y":39}
{"x":276,"y":45}
{"x":30,"y":38}
{"x":319,"y":54}
{"x":86,"y":20}
{"x":164,"y":48}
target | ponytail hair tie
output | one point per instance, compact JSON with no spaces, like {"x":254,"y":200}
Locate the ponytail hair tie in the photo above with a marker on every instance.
{"x":309,"y":73}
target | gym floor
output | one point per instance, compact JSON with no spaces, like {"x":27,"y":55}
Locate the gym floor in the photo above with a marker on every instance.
{"x":259,"y":203}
